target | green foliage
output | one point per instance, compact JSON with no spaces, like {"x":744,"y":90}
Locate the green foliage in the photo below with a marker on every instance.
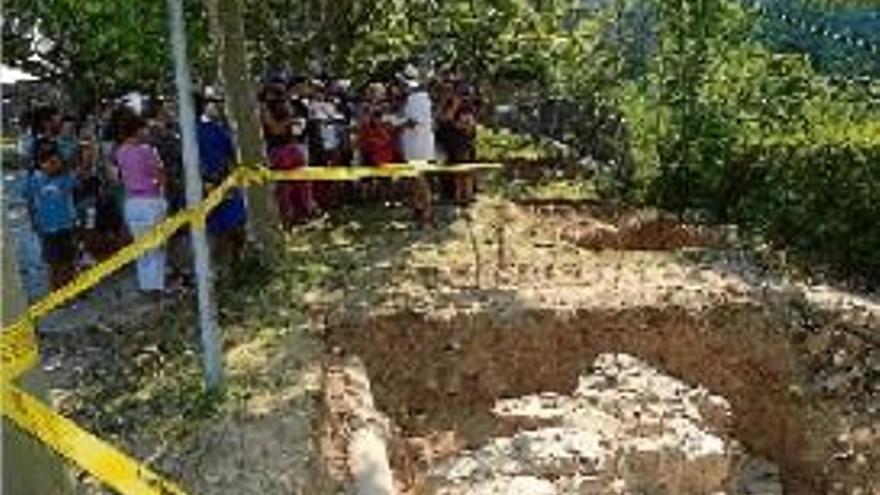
{"x":502,"y":145}
{"x":841,"y":37}
{"x":9,"y":158}
{"x":95,"y":48}
{"x":358,"y":38}
{"x":821,"y":201}
{"x":728,"y":127}
{"x":716,"y":116}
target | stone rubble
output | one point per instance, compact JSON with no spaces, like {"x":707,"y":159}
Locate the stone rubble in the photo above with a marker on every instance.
{"x":627,"y":429}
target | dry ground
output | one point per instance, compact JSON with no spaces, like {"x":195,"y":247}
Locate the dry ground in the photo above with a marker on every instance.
{"x":499,"y":300}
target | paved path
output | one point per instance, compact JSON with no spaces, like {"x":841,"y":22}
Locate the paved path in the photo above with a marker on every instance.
{"x":114,"y":301}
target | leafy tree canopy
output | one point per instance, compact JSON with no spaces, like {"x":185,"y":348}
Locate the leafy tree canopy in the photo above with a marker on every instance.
{"x":94,"y":47}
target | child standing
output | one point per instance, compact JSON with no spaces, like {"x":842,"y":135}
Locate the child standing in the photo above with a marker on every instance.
{"x":49,"y":192}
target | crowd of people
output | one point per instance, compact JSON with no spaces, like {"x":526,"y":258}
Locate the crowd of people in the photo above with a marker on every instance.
{"x":97,"y":181}
{"x":402,"y":118}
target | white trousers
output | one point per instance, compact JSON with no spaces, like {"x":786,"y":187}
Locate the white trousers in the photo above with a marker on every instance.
{"x":418,"y":144}
{"x":141,"y":214}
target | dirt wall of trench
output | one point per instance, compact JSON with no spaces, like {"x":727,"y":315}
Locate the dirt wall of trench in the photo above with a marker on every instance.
{"x":435,"y":376}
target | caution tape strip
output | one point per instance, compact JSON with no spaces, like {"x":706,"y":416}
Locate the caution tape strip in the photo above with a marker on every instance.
{"x":93,"y":455}
{"x":18,"y":343}
{"x":18,"y":351}
{"x":18,"y":335}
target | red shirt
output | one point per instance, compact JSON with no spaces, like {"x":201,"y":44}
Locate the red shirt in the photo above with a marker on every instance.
{"x":378,"y":141}
{"x":286,"y":157}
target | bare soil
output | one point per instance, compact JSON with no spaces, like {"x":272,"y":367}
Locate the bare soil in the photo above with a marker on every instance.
{"x":500,"y":300}
{"x":518,"y":303}
{"x":447,"y":377}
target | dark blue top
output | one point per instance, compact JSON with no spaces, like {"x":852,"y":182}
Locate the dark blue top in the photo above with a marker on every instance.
{"x":217,"y":154}
{"x":50,"y":199}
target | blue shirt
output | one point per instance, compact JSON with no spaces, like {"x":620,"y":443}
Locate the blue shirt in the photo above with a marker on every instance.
{"x":50,"y":199}
{"x":217,"y":154}
{"x":67,"y":147}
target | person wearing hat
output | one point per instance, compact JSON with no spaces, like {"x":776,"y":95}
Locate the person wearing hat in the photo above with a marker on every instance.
{"x":226,"y":223}
{"x":417,"y":140}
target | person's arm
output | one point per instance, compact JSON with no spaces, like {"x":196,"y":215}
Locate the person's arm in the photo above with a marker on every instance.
{"x":161,"y":175}
{"x":466,"y":122}
{"x":27,"y":192}
{"x":111,"y":168}
{"x":273,"y":125}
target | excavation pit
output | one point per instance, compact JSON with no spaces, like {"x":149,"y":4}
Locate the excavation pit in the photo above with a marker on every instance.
{"x":600,"y":227}
{"x":441,"y":385}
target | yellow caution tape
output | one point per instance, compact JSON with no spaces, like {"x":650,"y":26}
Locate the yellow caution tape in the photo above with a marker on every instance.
{"x":243,"y":176}
{"x":18,"y":342}
{"x":19,"y":335}
{"x":458,"y":168}
{"x":342,"y":174}
{"x":18,"y":351}
{"x":394,"y":170}
{"x":100,"y":459}
{"x":150,"y":240}
{"x":18,"y":345}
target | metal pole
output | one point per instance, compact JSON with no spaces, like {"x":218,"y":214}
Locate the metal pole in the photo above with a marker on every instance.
{"x":211,"y":349}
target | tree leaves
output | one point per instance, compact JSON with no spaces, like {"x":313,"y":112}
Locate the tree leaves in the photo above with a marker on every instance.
{"x":93,"y":48}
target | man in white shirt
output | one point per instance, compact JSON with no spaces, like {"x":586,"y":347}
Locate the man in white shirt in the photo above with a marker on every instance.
{"x":417,"y":139}
{"x":417,"y":142}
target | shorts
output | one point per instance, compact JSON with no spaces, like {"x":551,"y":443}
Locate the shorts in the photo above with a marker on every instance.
{"x":59,"y":247}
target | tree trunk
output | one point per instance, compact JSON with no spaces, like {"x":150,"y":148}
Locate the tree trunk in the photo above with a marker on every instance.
{"x":29,"y":466}
{"x":227,"y":34}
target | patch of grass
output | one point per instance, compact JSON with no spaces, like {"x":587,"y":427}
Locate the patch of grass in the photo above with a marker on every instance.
{"x":568,"y":190}
{"x":148,"y":386}
{"x":503,"y":145}
{"x":572,"y":190}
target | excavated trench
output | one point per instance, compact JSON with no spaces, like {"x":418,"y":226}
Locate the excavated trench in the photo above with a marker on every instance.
{"x":583,"y":284}
{"x":431,"y":377}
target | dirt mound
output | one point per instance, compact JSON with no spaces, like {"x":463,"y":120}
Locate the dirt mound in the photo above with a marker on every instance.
{"x":646,"y":230}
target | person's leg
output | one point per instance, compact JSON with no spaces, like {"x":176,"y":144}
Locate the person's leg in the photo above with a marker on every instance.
{"x":420,"y":194}
{"x":301,"y":202}
{"x":135,"y":219}
{"x":56,"y":275}
{"x":92,"y":244}
{"x":141,"y":215}
{"x":469,"y":190}
{"x":457,"y":188}
{"x":227,"y":247}
{"x":63,"y":272}
{"x":158,"y":257}
{"x":282,"y":199}
{"x":69,"y":254}
{"x":237,"y":241}
{"x":60,"y":253}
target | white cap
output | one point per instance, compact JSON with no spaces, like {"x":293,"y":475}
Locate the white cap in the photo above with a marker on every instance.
{"x":410,"y":71}
{"x":212,"y":93}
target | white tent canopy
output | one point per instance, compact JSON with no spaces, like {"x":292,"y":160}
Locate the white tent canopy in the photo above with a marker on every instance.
{"x":11,"y":75}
